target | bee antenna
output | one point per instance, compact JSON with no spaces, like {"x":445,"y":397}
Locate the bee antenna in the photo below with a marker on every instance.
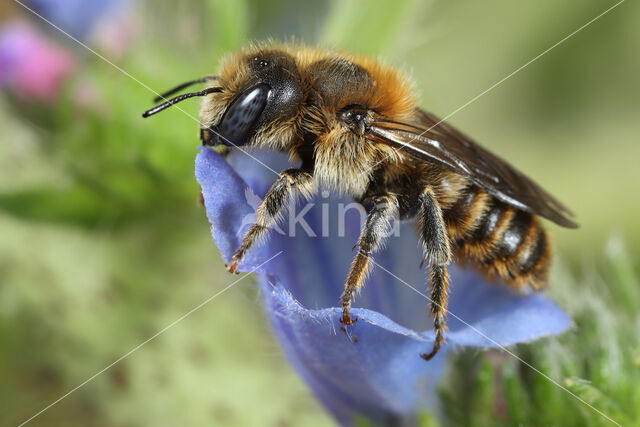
{"x":179,"y":98}
{"x":184,"y":86}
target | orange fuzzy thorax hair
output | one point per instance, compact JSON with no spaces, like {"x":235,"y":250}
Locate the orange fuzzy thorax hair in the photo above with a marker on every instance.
{"x":391,"y":94}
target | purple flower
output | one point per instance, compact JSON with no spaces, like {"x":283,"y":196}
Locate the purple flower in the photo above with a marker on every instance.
{"x":375,"y":370}
{"x":108,"y":26}
{"x":76,"y":17}
{"x":31,"y":66}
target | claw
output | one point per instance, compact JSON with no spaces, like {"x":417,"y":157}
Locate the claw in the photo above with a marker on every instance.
{"x":233,"y":267}
{"x":434,"y":351}
{"x":347,"y":320}
{"x":235,"y":261}
{"x":429,"y":356}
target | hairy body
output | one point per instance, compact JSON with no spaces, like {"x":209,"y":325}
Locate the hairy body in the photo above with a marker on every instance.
{"x":354,"y":125}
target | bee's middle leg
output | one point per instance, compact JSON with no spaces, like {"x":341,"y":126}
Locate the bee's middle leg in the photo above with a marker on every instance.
{"x":289,"y":183}
{"x":436,"y":247}
{"x":375,"y":230}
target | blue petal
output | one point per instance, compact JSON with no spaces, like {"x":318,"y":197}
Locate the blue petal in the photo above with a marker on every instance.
{"x":226,"y":205}
{"x":381,"y":375}
{"x":76,"y":17}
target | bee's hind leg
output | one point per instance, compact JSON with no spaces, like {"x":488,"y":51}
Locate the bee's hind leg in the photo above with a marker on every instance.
{"x":376,"y":229}
{"x":289,"y":183}
{"x":436,"y":247}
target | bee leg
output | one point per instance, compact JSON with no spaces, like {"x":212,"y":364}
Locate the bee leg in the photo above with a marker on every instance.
{"x":377,"y":228}
{"x":289,"y":183}
{"x":435,"y":244}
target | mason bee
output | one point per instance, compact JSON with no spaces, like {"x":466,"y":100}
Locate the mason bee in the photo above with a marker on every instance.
{"x":354,"y":125}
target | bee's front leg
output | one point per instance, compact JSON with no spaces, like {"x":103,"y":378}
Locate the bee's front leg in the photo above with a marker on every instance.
{"x":436,"y":247}
{"x":290,"y":183}
{"x":376,"y":229}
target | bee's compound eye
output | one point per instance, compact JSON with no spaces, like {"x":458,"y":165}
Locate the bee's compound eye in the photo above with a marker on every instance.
{"x":243,"y":113}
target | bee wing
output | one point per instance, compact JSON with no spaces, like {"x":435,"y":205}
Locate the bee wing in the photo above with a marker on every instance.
{"x":429,"y":140}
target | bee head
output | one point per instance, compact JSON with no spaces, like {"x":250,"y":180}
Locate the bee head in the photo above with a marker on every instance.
{"x":261,"y":91}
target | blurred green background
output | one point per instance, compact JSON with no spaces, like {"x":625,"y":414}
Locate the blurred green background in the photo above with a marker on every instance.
{"x":103,"y":242}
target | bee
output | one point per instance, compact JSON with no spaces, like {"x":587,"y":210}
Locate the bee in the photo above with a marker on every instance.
{"x":354,"y":125}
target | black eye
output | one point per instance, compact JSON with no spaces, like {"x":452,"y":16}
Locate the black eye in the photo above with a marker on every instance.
{"x":241,"y":116}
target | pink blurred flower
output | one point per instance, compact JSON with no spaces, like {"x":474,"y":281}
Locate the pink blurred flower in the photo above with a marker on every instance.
{"x":30,"y":65}
{"x":115,"y":33}
{"x":109,"y":25}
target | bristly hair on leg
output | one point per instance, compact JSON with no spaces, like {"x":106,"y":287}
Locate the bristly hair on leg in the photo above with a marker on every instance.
{"x":439,"y":297}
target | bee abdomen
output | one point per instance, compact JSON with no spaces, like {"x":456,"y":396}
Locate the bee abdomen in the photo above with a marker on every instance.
{"x":466,"y":213}
{"x":504,"y":241}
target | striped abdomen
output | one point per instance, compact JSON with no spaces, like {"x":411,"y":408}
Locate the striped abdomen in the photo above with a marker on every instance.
{"x":499,"y":238}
